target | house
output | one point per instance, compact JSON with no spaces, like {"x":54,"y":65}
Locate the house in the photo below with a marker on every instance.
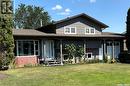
{"x":47,"y":43}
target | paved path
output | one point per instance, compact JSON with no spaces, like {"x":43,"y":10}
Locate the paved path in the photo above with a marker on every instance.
{"x":2,"y":76}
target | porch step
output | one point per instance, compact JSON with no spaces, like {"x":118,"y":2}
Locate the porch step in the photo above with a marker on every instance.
{"x":52,"y":63}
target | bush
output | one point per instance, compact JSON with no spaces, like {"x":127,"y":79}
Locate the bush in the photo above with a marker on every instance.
{"x":4,"y":68}
{"x":105,"y":59}
{"x":92,"y":61}
{"x":124,"y":57}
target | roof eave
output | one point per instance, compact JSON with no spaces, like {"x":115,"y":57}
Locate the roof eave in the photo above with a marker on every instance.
{"x":102,"y":25}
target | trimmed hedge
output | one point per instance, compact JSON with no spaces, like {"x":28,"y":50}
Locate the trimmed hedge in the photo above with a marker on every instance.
{"x":124,"y":57}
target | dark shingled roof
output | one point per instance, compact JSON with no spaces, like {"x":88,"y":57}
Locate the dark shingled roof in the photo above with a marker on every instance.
{"x":84,"y":16}
{"x":33,"y":32}
{"x":27,"y":32}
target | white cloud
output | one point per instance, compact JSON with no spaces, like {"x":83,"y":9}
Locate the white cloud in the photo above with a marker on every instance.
{"x":57,"y":7}
{"x":92,"y":1}
{"x":66,"y":12}
{"x":63,"y":13}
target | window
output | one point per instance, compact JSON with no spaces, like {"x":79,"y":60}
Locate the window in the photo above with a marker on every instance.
{"x":73,"y":30}
{"x":89,"y":55}
{"x":49,"y":49}
{"x":27,"y":47}
{"x":36,"y":48}
{"x":109,"y":43}
{"x":92,"y":30}
{"x":89,"y":31}
{"x":109,"y":48}
{"x":67,"y":30}
{"x":70,"y":30}
{"x":116,"y":43}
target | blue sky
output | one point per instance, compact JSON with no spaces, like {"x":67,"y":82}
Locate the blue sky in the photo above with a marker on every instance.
{"x":111,"y":12}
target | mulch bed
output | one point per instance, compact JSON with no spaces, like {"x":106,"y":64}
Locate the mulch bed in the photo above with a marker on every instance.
{"x":2,"y":76}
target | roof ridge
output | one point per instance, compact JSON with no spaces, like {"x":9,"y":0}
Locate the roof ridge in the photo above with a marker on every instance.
{"x":82,"y":14}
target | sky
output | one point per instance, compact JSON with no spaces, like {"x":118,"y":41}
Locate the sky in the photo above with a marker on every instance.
{"x":111,"y":12}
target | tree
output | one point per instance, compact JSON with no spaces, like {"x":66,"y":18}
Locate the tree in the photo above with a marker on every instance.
{"x":30,"y":17}
{"x":71,"y":51}
{"x":128,"y":30}
{"x":79,"y":51}
{"x":74,"y":51}
{"x":6,"y":41}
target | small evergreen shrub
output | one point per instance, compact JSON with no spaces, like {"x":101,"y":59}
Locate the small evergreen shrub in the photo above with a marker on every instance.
{"x":124,"y":57}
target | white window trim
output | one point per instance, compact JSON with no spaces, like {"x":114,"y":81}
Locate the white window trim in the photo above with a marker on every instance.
{"x":70,"y":30}
{"x":89,"y":30}
{"x":91,"y":55}
{"x":34,"y":47}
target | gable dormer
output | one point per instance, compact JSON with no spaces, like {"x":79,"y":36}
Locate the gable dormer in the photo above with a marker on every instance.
{"x":79,"y":24}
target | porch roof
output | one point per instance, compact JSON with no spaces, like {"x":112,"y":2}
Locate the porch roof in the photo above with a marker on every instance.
{"x":33,"y":32}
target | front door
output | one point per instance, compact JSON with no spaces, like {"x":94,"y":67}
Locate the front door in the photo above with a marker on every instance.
{"x":49,"y":49}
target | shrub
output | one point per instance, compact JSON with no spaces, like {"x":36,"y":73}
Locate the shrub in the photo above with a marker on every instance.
{"x":124,"y":57}
{"x":92,"y":60}
{"x":30,"y":65}
{"x":74,"y":52}
{"x":105,"y":60}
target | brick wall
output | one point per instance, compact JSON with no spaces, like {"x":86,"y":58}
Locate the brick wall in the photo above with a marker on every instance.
{"x":20,"y":61}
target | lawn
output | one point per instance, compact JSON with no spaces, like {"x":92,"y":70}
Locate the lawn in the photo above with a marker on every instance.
{"x":69,"y":75}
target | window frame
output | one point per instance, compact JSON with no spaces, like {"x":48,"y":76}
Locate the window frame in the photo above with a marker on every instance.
{"x":34,"y":53}
{"x":86,"y":30}
{"x":91,"y":55}
{"x":65,"y":30}
{"x":93,"y":30}
{"x":70,"y":30}
{"x":89,"y":28}
{"x":115,"y":43}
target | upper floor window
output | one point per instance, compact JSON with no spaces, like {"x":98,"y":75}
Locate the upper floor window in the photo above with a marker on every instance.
{"x":92,"y":30}
{"x":70,"y":30}
{"x":67,"y":30}
{"x":89,"y":31}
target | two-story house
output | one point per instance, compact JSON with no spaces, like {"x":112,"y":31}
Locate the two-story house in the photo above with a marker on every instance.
{"x":48,"y":42}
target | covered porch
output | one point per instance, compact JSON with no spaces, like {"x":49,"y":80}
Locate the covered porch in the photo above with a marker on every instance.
{"x":53,"y":48}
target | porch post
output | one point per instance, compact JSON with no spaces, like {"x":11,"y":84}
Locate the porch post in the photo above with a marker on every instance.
{"x":42,"y":48}
{"x":17,"y":53}
{"x":34,"y":47}
{"x":104,"y":48}
{"x":113,"y":49}
{"x":84,"y":47}
{"x":61,"y":55}
{"x":84,"y":50}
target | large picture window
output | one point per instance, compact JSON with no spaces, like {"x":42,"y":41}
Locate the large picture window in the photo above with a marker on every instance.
{"x":27,"y":47}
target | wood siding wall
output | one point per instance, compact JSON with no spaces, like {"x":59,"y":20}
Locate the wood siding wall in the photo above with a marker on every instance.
{"x":80,"y":25}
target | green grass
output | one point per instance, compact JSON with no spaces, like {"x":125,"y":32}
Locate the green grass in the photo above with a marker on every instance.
{"x":69,"y":75}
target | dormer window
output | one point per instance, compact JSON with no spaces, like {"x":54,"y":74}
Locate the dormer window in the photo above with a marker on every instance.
{"x":92,"y":30}
{"x":89,"y":31}
{"x":67,"y":30}
{"x":70,"y":30}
